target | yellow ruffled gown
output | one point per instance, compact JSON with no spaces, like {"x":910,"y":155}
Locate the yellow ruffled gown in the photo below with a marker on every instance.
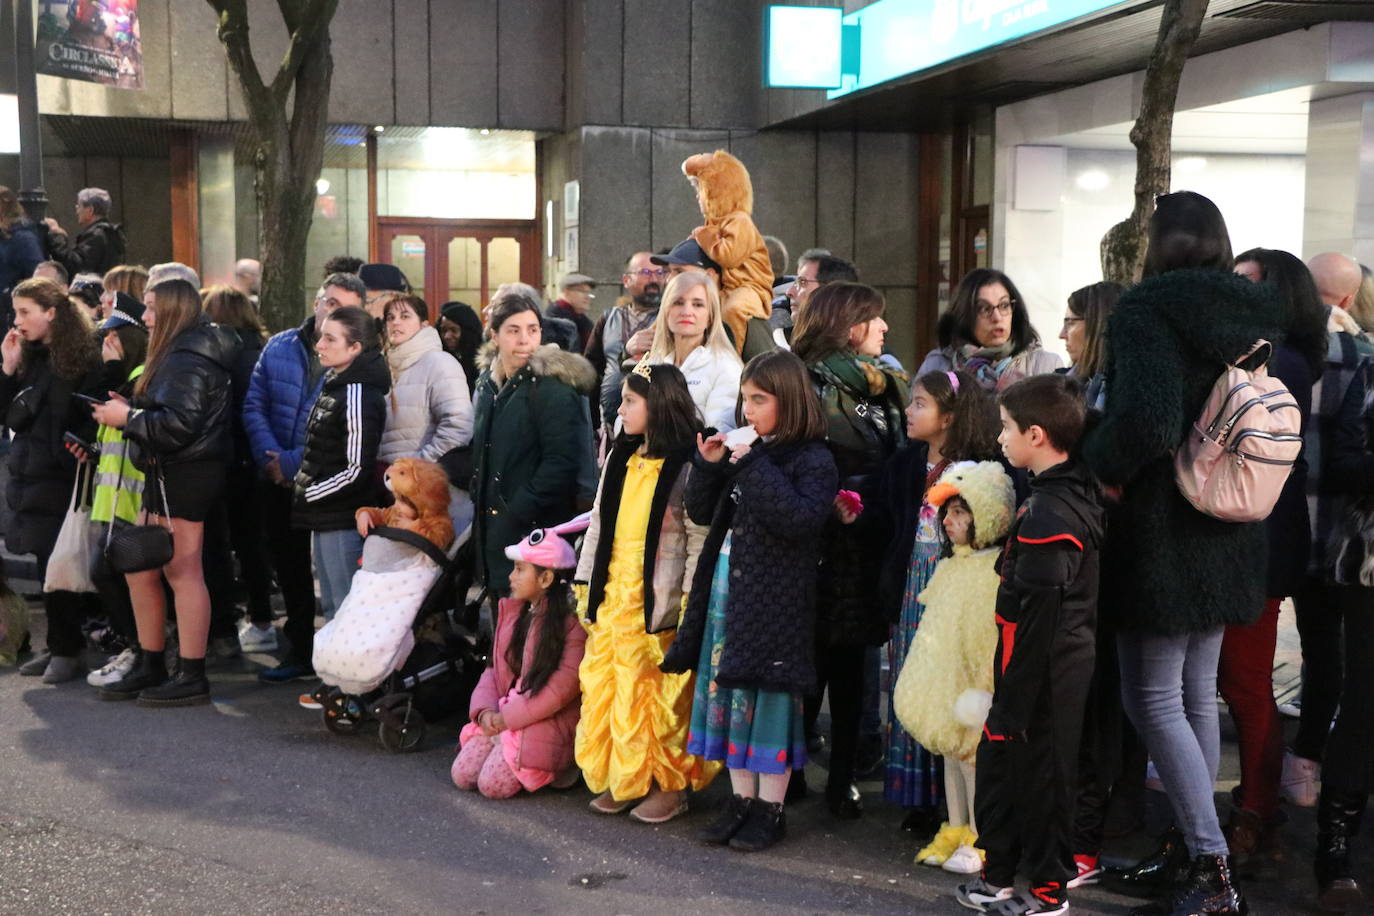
{"x":633,"y":730}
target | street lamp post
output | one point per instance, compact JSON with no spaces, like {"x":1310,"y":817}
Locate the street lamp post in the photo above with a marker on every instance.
{"x":31,"y":194}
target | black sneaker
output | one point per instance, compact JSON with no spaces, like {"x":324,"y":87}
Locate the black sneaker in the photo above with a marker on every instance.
{"x":188,"y":688}
{"x":720,"y":830}
{"x":764,"y":826}
{"x":1038,"y":901}
{"x":978,"y":894}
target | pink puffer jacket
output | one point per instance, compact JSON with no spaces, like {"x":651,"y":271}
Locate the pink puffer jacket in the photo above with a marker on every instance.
{"x":546,"y":722}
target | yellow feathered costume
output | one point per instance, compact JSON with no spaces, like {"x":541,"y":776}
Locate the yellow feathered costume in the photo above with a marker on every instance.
{"x":954,"y":646}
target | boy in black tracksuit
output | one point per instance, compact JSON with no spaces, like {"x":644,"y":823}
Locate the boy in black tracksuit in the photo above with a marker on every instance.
{"x":1046,"y":618}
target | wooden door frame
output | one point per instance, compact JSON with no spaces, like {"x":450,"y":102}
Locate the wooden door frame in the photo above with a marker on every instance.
{"x":437,"y":232}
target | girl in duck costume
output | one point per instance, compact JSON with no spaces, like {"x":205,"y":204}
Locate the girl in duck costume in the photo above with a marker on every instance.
{"x":637,"y":563}
{"x":945,"y":685}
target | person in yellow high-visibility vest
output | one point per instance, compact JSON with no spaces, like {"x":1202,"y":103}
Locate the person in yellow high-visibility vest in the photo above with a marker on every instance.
{"x":118,"y":492}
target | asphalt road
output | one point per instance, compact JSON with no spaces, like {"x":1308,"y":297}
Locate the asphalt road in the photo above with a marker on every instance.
{"x":249,"y":806}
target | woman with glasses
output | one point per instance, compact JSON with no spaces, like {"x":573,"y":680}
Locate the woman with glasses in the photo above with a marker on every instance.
{"x":1084,"y":333}
{"x":987,"y":333}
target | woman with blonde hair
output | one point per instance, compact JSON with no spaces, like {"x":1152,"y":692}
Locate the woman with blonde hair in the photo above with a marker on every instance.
{"x":129,"y":279}
{"x":690,"y":334}
{"x":180,"y":419}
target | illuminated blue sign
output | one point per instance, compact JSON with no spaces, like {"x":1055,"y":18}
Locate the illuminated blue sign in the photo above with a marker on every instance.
{"x":896,"y":38}
{"x":802,"y":46}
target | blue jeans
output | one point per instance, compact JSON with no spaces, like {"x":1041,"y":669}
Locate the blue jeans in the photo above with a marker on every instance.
{"x":1169,"y":689}
{"x":336,"y":560}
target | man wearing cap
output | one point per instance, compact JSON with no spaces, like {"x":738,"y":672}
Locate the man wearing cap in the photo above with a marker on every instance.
{"x":609,"y":346}
{"x":688,"y":255}
{"x":574,"y":299}
{"x":383,"y":281}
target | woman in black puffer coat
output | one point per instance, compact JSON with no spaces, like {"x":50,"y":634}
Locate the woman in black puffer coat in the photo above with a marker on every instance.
{"x":179,"y":423}
{"x":840,"y":337}
{"x":49,"y":355}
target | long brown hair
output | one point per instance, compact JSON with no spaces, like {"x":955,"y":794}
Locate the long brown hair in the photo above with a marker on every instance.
{"x":832,"y":311}
{"x":72,"y":346}
{"x":10,"y":211}
{"x":674,"y":420}
{"x":130,"y":279}
{"x":229,"y":306}
{"x":176,"y":303}
{"x":784,"y":376}
{"x":1093,"y":304}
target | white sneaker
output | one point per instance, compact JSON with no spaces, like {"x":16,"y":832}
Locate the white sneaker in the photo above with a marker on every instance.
{"x":253,"y":638}
{"x":114,"y":670}
{"x":964,"y":861}
{"x":1299,"y":782}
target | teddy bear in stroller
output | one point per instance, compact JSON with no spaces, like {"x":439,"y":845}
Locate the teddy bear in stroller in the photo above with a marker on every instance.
{"x":393,"y":653}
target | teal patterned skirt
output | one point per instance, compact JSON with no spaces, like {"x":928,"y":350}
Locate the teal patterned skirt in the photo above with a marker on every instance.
{"x":750,"y":729}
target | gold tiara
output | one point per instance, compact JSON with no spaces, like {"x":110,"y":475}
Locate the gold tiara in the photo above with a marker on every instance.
{"x":643,"y":368}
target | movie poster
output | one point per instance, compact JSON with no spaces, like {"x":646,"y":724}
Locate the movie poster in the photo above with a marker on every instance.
{"x":93,"y":40}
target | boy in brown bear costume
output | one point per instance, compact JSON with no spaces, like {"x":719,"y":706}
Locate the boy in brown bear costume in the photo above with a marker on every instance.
{"x":421,"y":491}
{"x":731,"y":239}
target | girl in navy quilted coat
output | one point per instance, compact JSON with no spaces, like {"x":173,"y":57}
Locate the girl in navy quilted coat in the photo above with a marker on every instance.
{"x":750,"y":626}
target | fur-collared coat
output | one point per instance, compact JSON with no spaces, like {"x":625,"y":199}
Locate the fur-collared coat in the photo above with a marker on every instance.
{"x":1167,"y":568}
{"x":672,"y":544}
{"x":531,"y":438}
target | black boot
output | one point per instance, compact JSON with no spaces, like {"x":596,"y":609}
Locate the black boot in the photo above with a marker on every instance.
{"x":729,"y":822}
{"x":1208,"y":890}
{"x":1338,"y":821}
{"x":765,"y":825}
{"x":1157,"y":874}
{"x":845,"y":801}
{"x":149,"y":670}
{"x":188,"y":688}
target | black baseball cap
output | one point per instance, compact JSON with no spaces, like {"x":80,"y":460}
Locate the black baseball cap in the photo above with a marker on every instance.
{"x":687,"y":252}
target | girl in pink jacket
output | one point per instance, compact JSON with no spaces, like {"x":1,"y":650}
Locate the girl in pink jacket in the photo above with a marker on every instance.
{"x":526,"y":706}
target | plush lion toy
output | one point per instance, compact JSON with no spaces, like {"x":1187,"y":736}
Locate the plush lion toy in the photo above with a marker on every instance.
{"x":730,"y":238}
{"x":421,"y":491}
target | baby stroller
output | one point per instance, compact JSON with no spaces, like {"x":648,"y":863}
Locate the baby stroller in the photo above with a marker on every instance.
{"x":404,"y":647}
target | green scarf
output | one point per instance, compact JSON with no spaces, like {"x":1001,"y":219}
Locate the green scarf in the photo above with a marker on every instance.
{"x":862,"y":400}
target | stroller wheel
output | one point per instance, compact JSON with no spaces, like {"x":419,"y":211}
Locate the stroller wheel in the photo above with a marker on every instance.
{"x":402,"y":729}
{"x":342,"y":713}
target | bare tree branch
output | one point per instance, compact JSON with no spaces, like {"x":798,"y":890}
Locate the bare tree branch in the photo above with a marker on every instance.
{"x":233,"y":34}
{"x":1123,"y":247}
{"x":305,"y":22}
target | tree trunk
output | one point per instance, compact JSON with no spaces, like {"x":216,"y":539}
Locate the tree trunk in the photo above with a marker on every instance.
{"x":1123,"y":247}
{"x":288,"y":150}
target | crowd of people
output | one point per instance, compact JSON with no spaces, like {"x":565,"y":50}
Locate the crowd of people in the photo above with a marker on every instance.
{"x":701,"y":521}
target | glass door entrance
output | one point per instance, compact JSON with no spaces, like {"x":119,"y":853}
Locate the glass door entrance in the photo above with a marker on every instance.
{"x":460,"y":259}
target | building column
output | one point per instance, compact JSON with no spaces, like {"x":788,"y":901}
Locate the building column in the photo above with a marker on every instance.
{"x":1339,"y":208}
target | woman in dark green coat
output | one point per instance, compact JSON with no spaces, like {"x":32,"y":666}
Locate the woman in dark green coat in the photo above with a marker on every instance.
{"x":1173,"y":578}
{"x":531,"y":437}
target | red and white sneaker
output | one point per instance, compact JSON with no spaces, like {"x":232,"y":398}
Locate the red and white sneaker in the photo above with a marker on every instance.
{"x":1089,"y":871}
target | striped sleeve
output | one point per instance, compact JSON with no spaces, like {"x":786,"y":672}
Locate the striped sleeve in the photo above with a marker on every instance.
{"x":353,"y":448}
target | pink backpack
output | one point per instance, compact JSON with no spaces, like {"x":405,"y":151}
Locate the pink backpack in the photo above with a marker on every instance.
{"x":1234,"y":462}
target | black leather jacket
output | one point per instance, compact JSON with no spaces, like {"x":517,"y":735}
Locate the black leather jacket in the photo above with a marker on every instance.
{"x":184,"y":413}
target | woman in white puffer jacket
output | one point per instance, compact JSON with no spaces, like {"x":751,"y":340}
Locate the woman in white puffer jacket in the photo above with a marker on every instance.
{"x":429,"y":408}
{"x":689,"y":334}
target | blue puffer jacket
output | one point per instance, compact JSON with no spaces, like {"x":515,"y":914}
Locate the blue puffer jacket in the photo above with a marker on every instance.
{"x":280,"y":395}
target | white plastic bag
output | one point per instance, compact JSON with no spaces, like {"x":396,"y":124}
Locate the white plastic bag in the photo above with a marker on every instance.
{"x":69,"y":567}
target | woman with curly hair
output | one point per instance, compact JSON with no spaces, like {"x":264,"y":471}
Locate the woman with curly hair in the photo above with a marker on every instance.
{"x":49,"y":355}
